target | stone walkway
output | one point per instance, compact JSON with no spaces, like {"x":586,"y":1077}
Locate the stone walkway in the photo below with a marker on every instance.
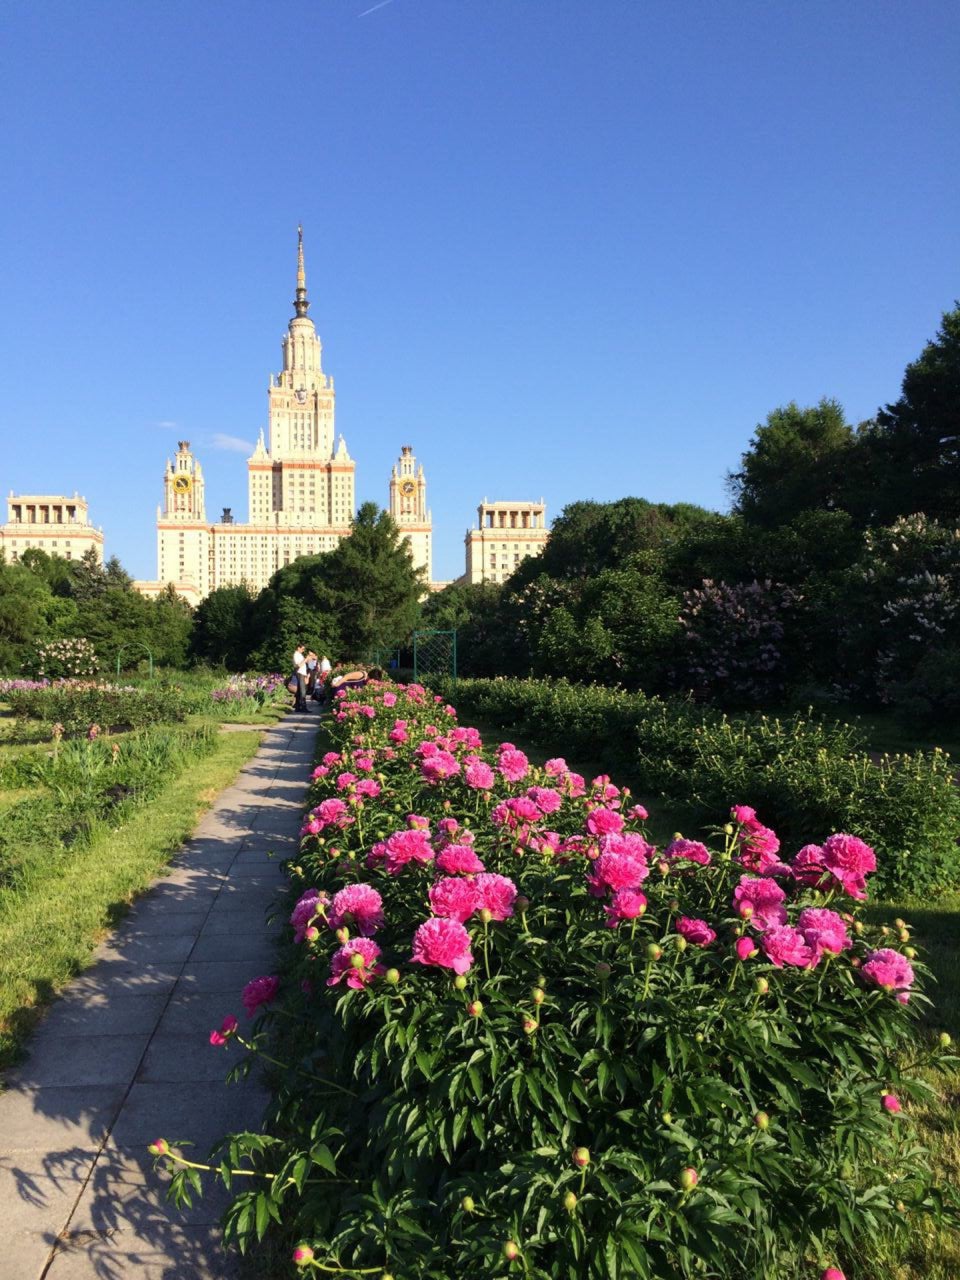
{"x":123,"y":1056}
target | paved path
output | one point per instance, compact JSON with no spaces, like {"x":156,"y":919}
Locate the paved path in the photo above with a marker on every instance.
{"x":123,"y":1057}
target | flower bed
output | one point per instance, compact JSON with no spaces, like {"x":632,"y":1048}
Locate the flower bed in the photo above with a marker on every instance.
{"x":808,"y":776}
{"x":76,"y":704}
{"x":512,"y":1037}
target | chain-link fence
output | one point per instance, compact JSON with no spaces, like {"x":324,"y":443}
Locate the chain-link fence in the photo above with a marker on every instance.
{"x":434,"y":654}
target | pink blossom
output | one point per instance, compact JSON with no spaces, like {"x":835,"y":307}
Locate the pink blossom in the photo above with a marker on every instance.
{"x":406,"y":846}
{"x":696,"y":931}
{"x":227,"y":1029}
{"x":345,"y":780}
{"x":546,"y":799}
{"x":332,"y":813}
{"x":417,"y":822}
{"x":784,"y":945}
{"x":478,"y":775}
{"x":638,"y":813}
{"x":511,"y":813}
{"x":439,"y":767}
{"x":368,"y":711}
{"x":389,"y":699}
{"x":459,"y":859}
{"x":849,"y":860}
{"x":341,"y":963}
{"x":807,"y":866}
{"x":448,"y":827}
{"x":259,"y":991}
{"x":604,"y":822}
{"x":745,"y":947}
{"x":556,"y":767}
{"x":513,"y":765}
{"x":369,"y":788}
{"x":358,"y":905}
{"x":444,"y":943}
{"x":363,"y":761}
{"x":497,"y":894}
{"x":306,"y":908}
{"x":617,"y":871}
{"x":832,"y":1273}
{"x":320,"y":771}
{"x":687,"y":851}
{"x":888,"y":969}
{"x":890,"y":1102}
{"x":454,"y":898}
{"x":603,"y":789}
{"x":399,"y":732}
{"x":824,"y":930}
{"x":626,"y":904}
{"x":765,"y":899}
{"x":332,"y":757}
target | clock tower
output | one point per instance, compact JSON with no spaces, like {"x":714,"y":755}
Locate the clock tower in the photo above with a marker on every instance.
{"x":408,"y":508}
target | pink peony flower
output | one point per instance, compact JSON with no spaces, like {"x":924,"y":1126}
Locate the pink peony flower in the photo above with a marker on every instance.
{"x":546,"y":799}
{"x":626,"y":904}
{"x":406,"y":846}
{"x":742,"y":813}
{"x":438,"y":767}
{"x":389,"y":699}
{"x":398,"y":733}
{"x":697,"y":932}
{"x":832,"y":1273}
{"x":745,"y":947}
{"x":331,"y":757}
{"x":687,"y":851}
{"x":764,"y":897}
{"x":342,"y":964}
{"x":418,"y":823}
{"x":454,"y":898}
{"x":555,"y":768}
{"x":849,"y":860}
{"x":604,"y":822}
{"x":459,"y":859}
{"x":513,"y":765}
{"x":824,"y":930}
{"x":496,"y":894}
{"x":259,"y":991}
{"x":888,"y":969}
{"x":227,"y":1029}
{"x":368,"y":788}
{"x":784,"y":945}
{"x":305,"y":910}
{"x":359,"y":906}
{"x":332,"y":813}
{"x":345,"y":780}
{"x":807,"y":866}
{"x":638,"y":813}
{"x":478,"y":775}
{"x":444,"y":943}
{"x":890,"y":1102}
{"x":617,"y":871}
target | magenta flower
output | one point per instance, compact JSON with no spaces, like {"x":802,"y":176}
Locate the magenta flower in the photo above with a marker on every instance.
{"x":438,"y":767}
{"x":617,"y":871}
{"x":332,"y":813}
{"x":687,"y":851}
{"x":306,"y":908}
{"x":890,"y":1102}
{"x":626,"y":904}
{"x":358,"y":905}
{"x":742,"y":813}
{"x":546,"y":799}
{"x":259,"y":991}
{"x":604,"y":822}
{"x":888,"y":969}
{"x":444,"y":943}
{"x":784,"y":945}
{"x":459,"y":859}
{"x":403,"y":847}
{"x":345,"y":781}
{"x":638,"y":813}
{"x":398,"y":733}
{"x":357,"y":975}
{"x":764,"y":898}
{"x":454,"y":898}
{"x":824,"y":930}
{"x":227,"y":1029}
{"x":496,"y":894}
{"x":513,"y":764}
{"x":849,"y":861}
{"x":478,"y":775}
{"x":556,"y":768}
{"x":745,"y":947}
{"x":807,"y":866}
{"x":697,"y":932}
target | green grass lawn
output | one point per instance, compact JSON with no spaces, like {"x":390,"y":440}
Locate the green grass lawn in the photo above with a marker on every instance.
{"x":50,"y":925}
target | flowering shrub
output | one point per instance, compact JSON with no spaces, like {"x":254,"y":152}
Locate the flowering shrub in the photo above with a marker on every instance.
{"x":247,"y":692}
{"x":67,"y":660}
{"x":76,"y":704}
{"x":804,"y":773}
{"x":512,"y":1036}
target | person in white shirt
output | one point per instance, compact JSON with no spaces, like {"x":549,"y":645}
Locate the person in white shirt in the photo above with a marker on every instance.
{"x":300,"y":673}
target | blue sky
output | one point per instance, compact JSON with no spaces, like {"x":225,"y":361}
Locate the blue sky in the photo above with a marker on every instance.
{"x":569,"y":248}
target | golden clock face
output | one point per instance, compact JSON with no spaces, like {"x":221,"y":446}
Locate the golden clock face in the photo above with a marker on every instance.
{"x":407,"y":488}
{"x":182,"y":484}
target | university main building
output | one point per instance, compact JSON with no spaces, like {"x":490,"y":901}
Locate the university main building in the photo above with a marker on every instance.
{"x":300,"y":489}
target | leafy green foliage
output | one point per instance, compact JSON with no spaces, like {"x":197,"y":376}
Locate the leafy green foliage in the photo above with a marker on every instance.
{"x":78,"y":704}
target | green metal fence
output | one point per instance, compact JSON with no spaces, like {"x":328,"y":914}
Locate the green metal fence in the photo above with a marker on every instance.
{"x":434,"y":654}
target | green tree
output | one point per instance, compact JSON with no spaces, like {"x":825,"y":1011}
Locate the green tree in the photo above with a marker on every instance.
{"x":223,"y":623}
{"x":798,"y":460}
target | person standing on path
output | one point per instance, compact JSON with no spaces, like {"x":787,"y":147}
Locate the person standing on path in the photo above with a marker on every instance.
{"x":300,"y":674}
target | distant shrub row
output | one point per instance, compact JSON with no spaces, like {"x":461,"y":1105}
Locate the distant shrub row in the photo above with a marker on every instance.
{"x":807,"y":777}
{"x":77,"y":704}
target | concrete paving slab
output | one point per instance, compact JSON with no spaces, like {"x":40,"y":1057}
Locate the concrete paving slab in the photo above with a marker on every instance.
{"x":160,"y":1251}
{"x":220,"y":975}
{"x":174,"y":1057}
{"x":56,"y":1118}
{"x":77,"y":1060}
{"x":254,"y":945}
{"x":201,"y":1114}
{"x":196,"y":1013}
{"x":128,"y":947}
{"x":97,"y":1015}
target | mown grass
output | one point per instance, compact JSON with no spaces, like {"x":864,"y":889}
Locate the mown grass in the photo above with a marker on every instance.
{"x":50,"y":925}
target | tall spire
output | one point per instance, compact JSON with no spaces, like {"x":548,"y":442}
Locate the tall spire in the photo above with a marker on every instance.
{"x":301,"y":305}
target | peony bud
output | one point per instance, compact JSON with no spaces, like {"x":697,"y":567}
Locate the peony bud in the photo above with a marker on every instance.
{"x":891,"y":1103}
{"x":530,"y":1026}
{"x":904,"y":935}
{"x":761,"y":1120}
{"x":858,"y":927}
{"x":681,"y":942}
{"x":486,"y":915}
{"x":581,"y":1157}
{"x":343,"y":936}
{"x":745,"y":947}
{"x":357,"y":961}
{"x":746,"y":911}
{"x":511,"y":1250}
{"x":539,"y":995}
{"x":602,"y":969}
{"x":901,"y":924}
{"x":467,"y":1204}
{"x":910,"y":953}
{"x":668,"y":1117}
{"x":946,"y":1040}
{"x":392,"y":976}
{"x":460,"y":982}
{"x":653,"y":951}
{"x":761,"y":986}
{"x":159,"y":1148}
{"x":728,"y":828}
{"x":832,"y":1273}
{"x":689,"y":1179}
{"x":521,"y":903}
{"x":312,"y":934}
{"x":474,"y":1008}
{"x":569,"y":1202}
{"x":302,"y":1255}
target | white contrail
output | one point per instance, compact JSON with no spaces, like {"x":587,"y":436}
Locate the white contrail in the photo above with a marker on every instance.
{"x":374,"y":8}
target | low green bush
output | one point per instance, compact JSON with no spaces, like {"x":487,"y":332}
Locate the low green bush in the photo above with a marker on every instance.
{"x":78,"y":704}
{"x":807,"y":776}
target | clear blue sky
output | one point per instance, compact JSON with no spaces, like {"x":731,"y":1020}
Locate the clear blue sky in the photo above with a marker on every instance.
{"x":569,"y":248}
